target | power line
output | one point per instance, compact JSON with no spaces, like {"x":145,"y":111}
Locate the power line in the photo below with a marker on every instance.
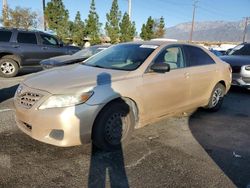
{"x":192,"y":27}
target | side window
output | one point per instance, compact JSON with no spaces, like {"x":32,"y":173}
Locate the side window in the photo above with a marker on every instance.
{"x":49,"y":40}
{"x":5,"y":36}
{"x":197,"y":57}
{"x":26,"y":38}
{"x":173,"y":56}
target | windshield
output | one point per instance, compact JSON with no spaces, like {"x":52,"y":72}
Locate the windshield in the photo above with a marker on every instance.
{"x":122,"y":57}
{"x":242,"y":49}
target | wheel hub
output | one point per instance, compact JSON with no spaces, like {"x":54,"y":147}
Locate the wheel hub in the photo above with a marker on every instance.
{"x":7,"y":68}
{"x":116,"y":128}
{"x":217,"y":96}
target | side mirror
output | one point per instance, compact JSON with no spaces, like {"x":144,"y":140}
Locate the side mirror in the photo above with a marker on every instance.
{"x":160,"y":67}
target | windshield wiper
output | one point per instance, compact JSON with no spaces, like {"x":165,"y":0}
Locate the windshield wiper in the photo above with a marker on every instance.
{"x":98,"y":66}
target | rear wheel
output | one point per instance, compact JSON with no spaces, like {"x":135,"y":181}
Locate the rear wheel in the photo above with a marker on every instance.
{"x":8,"y":67}
{"x":216,"y":98}
{"x":113,"y":126}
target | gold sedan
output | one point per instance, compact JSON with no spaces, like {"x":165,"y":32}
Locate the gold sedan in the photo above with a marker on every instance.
{"x":124,"y":87}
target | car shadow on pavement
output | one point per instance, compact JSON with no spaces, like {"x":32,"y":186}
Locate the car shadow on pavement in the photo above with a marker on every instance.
{"x":7,"y":93}
{"x":107,"y":167}
{"x":224,"y":135}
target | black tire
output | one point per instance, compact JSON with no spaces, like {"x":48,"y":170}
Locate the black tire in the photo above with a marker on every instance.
{"x":8,"y":67}
{"x":113,"y":126}
{"x":216,"y":98}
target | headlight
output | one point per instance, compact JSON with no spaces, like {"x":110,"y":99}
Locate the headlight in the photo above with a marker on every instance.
{"x":57,"y":101}
{"x":247,"y":68}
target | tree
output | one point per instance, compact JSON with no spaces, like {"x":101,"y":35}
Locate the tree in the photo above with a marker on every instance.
{"x":147,"y":31}
{"x":20,"y":18}
{"x":78,"y":30}
{"x":5,"y":16}
{"x":57,"y":18}
{"x":127,"y":29}
{"x":159,"y":28}
{"x":143,"y":33}
{"x":112,"y":24}
{"x":93,"y":25}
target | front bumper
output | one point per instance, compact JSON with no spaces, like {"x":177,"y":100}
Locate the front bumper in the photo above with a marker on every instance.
{"x":240,"y":80}
{"x":63,"y":127}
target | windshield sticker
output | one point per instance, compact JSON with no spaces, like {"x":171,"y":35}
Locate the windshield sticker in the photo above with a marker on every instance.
{"x":149,"y":46}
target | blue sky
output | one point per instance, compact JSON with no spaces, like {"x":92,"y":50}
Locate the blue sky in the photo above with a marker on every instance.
{"x":174,"y":11}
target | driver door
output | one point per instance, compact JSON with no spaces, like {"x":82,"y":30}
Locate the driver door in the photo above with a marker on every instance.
{"x":165,"y":93}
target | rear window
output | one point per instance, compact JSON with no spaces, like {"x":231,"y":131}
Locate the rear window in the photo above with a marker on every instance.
{"x":5,"y":36}
{"x":27,"y":38}
{"x":197,"y":57}
{"x":242,"y":49}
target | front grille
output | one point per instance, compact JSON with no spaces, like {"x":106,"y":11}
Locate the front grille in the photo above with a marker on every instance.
{"x":246,"y":79}
{"x":28,"y":99}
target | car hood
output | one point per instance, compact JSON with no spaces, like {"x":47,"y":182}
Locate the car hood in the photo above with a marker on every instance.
{"x":236,"y":60}
{"x":61,"y":60}
{"x":70,"y":79}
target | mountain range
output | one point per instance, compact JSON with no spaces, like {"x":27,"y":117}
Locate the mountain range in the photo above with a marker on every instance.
{"x":209,"y":31}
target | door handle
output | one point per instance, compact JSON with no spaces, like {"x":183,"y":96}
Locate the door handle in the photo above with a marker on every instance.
{"x":15,"y":46}
{"x":44,"y":48}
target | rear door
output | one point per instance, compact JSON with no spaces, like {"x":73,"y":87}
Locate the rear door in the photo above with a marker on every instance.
{"x":27,"y":45}
{"x":168,"y":92}
{"x":202,"y":71}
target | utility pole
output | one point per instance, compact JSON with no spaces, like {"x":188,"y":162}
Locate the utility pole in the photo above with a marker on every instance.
{"x":192,"y":27}
{"x":129,"y":9}
{"x":245,"y":29}
{"x":4,"y":4}
{"x":44,"y":21}
{"x":5,"y":14}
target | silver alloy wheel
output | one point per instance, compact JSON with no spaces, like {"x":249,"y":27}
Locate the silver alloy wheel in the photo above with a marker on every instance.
{"x":217,"y":96}
{"x":116,"y":128}
{"x":7,"y":68}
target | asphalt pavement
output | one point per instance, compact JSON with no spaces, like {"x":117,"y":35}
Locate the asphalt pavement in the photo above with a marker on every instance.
{"x":201,"y":150}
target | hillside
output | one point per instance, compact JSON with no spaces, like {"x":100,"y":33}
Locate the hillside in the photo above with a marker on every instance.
{"x":209,"y":31}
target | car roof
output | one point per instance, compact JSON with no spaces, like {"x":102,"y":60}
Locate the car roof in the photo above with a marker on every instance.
{"x":161,"y":43}
{"x":24,"y":30}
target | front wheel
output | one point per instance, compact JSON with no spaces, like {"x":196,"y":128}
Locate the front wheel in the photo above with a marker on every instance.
{"x":216,"y":98}
{"x":113,"y":126}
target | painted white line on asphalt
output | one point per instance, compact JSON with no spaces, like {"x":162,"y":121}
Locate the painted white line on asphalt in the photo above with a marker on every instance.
{"x":5,"y":110}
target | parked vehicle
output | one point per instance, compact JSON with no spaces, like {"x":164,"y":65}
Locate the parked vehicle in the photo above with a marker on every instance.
{"x":71,"y":59}
{"x":216,"y":52}
{"x":239,"y":59}
{"x":21,"y":49}
{"x":124,"y":87}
